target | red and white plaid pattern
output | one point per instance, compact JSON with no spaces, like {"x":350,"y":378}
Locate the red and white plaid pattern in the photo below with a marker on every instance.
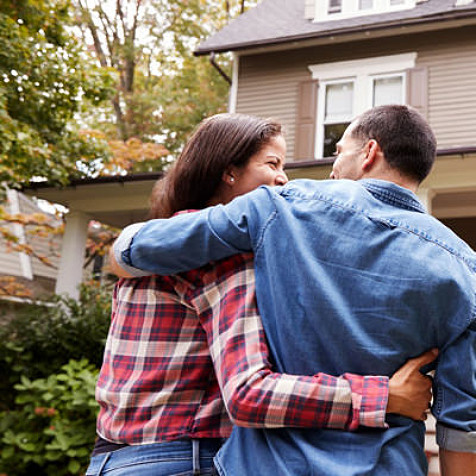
{"x":175,"y":341}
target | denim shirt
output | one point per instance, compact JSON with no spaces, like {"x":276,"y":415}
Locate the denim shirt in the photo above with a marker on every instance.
{"x":350,"y":277}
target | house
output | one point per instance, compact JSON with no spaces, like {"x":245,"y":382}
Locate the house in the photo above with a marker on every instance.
{"x":116,"y":201}
{"x":315,"y":64}
{"x":35,"y":272}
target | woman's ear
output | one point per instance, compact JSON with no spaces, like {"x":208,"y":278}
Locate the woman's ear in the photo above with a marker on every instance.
{"x":229,"y":177}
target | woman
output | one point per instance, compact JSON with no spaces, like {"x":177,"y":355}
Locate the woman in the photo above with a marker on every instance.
{"x":186,"y":353}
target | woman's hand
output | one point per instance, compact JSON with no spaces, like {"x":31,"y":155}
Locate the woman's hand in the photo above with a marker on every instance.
{"x":409,"y":390}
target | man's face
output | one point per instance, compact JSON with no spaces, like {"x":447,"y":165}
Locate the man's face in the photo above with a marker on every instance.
{"x":348,"y":163}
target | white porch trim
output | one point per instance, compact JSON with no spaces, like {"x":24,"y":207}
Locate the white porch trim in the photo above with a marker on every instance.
{"x":70,"y":272}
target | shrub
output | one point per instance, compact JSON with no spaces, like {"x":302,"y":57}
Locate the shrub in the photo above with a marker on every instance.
{"x":50,"y":356}
{"x":40,"y":339}
{"x":52,"y":428}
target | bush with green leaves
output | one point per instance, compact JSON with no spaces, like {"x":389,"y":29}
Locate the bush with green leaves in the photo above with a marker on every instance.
{"x":40,"y":339}
{"x":52,"y":428}
{"x":50,"y":355}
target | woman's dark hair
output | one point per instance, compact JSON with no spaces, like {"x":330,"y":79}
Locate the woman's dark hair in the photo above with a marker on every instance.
{"x":406,"y":139}
{"x":218,"y":143}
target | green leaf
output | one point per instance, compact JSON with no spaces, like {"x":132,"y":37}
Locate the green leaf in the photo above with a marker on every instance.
{"x":74,"y":466}
{"x":8,"y":452}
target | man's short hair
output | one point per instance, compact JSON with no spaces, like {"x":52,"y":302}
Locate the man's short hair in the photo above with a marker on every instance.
{"x":406,"y":139}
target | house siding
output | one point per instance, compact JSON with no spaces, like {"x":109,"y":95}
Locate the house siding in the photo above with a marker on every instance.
{"x":309,"y":9}
{"x":47,"y":246}
{"x":10,"y":261}
{"x":268,"y":83}
{"x":267,"y":89}
{"x":452,"y":93}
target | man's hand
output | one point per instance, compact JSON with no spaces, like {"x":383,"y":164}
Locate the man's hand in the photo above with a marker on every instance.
{"x":409,"y":390}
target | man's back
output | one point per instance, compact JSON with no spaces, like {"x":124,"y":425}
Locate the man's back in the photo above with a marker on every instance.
{"x":350,"y":277}
{"x":372,"y":281}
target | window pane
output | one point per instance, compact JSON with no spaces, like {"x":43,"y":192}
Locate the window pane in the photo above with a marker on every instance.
{"x":332,"y":134}
{"x":335,"y":6}
{"x":339,"y":100}
{"x":366,"y":4}
{"x":388,"y":91}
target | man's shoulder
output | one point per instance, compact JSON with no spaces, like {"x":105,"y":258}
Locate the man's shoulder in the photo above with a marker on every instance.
{"x":339,"y":192}
{"x":317,"y":186}
{"x":434,"y":231}
{"x":313,"y":188}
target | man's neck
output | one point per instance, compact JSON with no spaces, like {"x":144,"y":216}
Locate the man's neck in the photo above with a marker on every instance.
{"x":394,"y":177}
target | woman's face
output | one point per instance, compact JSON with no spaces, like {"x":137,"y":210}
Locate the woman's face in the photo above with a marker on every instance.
{"x":263,"y":168}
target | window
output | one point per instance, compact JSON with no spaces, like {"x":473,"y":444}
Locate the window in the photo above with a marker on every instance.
{"x":366,"y":4}
{"x":339,"y":100}
{"x":325,"y":10}
{"x":335,"y":6}
{"x":348,"y":88}
{"x":387,"y":90}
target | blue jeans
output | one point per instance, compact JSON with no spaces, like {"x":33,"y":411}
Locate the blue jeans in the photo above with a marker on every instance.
{"x":172,"y":458}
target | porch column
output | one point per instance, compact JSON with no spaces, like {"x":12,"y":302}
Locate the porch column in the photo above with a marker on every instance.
{"x":70,"y":272}
{"x":426,"y":196}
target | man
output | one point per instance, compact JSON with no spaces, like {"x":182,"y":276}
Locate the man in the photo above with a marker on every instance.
{"x":351,"y":275}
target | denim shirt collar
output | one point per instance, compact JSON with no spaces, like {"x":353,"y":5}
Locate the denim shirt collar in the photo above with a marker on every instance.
{"x":393,"y":194}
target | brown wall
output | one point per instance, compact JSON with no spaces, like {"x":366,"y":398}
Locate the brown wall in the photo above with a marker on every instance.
{"x":465,"y":228}
{"x":268,"y":83}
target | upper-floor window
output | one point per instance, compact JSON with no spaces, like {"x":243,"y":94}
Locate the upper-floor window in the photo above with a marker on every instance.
{"x":340,"y":9}
{"x":348,"y":88}
{"x":335,"y":6}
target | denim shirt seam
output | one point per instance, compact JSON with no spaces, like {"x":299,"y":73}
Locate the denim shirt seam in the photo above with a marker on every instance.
{"x":387,"y":196}
{"x":331,"y":201}
{"x":271,"y":218}
{"x":436,"y":242}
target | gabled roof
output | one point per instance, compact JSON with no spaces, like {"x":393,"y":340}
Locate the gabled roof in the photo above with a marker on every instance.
{"x":275,"y":22}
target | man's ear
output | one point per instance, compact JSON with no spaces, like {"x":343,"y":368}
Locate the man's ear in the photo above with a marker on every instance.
{"x":372,"y":150}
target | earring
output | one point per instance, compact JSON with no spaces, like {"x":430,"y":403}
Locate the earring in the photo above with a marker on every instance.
{"x":232,"y":179}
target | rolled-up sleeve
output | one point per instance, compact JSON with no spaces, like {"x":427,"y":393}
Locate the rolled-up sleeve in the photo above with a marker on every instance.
{"x":121,"y":249}
{"x":455,"y":440}
{"x":455,"y":405}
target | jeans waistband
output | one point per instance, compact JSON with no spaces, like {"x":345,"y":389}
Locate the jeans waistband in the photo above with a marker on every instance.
{"x":103,"y":446}
{"x":187,"y":448}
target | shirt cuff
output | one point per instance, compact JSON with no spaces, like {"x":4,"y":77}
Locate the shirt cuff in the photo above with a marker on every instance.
{"x":455,"y":440}
{"x":369,"y":400}
{"x":122,"y":250}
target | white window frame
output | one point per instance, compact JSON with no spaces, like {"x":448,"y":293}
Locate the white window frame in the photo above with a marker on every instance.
{"x":383,"y":76}
{"x":350,"y":8}
{"x":362,"y":72}
{"x":321,"y":111}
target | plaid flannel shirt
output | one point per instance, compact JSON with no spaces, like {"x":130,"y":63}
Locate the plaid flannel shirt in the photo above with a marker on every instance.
{"x":186,"y":353}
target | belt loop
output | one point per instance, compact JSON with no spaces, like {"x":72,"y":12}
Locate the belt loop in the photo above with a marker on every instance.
{"x":196,"y":457}
{"x":103,"y":463}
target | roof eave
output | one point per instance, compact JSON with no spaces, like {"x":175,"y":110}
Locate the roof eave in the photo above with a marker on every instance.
{"x":467,"y":17}
{"x":137,"y":177}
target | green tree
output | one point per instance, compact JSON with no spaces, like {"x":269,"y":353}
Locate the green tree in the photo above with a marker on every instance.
{"x":45,"y":79}
{"x":163,"y":91}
